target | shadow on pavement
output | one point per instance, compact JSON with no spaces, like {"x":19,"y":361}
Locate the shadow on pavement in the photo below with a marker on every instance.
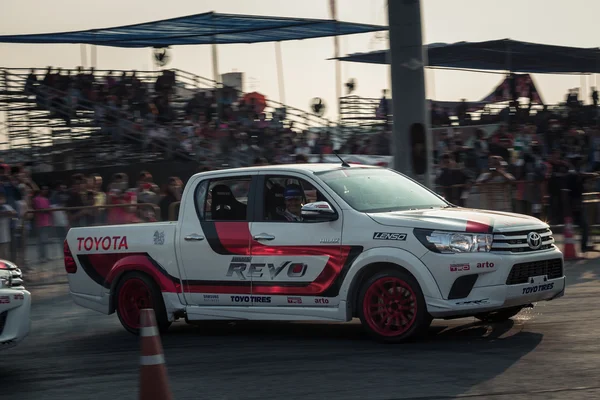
{"x":331,"y":359}
{"x":338,"y":361}
{"x":329,"y":334}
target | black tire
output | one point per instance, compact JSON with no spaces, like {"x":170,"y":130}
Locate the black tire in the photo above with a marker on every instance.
{"x":415,"y":315}
{"x":500,"y":315}
{"x":153,"y":293}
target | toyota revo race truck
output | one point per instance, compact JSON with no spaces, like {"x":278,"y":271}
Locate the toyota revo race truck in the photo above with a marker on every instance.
{"x":371,"y":243}
{"x":15,"y":306}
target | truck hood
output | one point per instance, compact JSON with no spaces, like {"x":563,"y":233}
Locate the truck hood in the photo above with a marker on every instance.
{"x":459,"y":220}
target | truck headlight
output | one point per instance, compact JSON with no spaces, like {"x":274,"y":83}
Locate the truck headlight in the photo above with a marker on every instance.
{"x":454,"y":242}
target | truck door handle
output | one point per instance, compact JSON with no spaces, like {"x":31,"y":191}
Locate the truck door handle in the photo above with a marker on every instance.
{"x":263,"y":236}
{"x":194,"y":237}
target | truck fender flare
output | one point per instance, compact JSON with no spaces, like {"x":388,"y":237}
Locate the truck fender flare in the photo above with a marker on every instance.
{"x":145,"y":264}
{"x":390,"y":255}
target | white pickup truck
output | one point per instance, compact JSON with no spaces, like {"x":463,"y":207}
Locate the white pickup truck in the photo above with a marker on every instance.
{"x":15,"y":306}
{"x":322,"y":242}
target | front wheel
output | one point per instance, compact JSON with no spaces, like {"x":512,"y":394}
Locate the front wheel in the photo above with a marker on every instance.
{"x":135,"y":292}
{"x":392,"y":307}
{"x":500,"y":315}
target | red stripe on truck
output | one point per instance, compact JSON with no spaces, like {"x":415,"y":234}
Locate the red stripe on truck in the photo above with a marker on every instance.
{"x":105,"y":268}
{"x":479,"y":227}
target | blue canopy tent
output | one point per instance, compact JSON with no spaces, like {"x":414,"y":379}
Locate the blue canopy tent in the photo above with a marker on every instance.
{"x":207,"y":28}
{"x":500,"y":55}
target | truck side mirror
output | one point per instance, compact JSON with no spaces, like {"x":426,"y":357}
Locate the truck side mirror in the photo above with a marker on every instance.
{"x":319,"y":211}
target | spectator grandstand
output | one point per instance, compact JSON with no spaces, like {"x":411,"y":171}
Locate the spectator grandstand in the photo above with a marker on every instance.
{"x":74,"y":119}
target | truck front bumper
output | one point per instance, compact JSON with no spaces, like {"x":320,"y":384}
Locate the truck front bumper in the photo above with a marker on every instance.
{"x":15,"y":319}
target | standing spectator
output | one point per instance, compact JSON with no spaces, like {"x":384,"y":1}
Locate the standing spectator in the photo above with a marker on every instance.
{"x":7,"y":213}
{"x":13,"y":197}
{"x":480,"y":146}
{"x":119,"y":194}
{"x":147,"y":196}
{"x":99,"y":198}
{"x":43,"y":222}
{"x":88,"y":197}
{"x":535,"y":173}
{"x":172,"y":195}
{"x":77,"y":218}
{"x":59,"y":218}
{"x":495,"y":186}
{"x":452,"y":180}
{"x":557,"y":186}
{"x":61,"y":195}
{"x":575,"y":181}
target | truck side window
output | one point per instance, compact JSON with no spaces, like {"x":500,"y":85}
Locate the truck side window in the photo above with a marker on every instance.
{"x":275,"y":207}
{"x":225,"y":199}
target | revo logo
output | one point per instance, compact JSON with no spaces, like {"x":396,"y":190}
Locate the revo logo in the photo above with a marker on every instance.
{"x":243,"y":268}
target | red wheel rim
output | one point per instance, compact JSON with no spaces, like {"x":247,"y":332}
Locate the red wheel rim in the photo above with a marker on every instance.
{"x":390,"y":306}
{"x":133,"y":297}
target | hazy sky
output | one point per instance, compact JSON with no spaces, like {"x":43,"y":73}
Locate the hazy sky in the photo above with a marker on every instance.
{"x":307,"y":73}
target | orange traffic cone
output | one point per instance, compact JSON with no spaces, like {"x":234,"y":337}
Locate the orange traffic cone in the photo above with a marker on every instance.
{"x":154,"y":383}
{"x":570,"y":253}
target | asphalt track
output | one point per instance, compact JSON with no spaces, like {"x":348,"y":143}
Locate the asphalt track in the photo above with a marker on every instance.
{"x":549,"y":352}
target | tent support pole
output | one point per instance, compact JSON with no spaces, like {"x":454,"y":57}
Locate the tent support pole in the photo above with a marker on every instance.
{"x":215,"y":65}
{"x":338,"y":66}
{"x":582,"y":89}
{"x":83,"y":54}
{"x":94,"y":56}
{"x":412,"y":144}
{"x":281,"y":83}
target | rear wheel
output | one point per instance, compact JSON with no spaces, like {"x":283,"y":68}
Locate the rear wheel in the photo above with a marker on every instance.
{"x":135,"y":292}
{"x":392,"y":308}
{"x":500,"y":315}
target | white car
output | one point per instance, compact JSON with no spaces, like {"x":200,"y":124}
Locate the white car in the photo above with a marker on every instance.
{"x":371,"y":243}
{"x":15,"y":306}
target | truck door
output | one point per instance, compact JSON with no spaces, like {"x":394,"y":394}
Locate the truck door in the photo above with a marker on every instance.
{"x":293,"y":259}
{"x":213,"y":247}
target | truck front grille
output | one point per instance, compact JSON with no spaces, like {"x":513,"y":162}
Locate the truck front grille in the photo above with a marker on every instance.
{"x":516,"y":242}
{"x":520,"y":273}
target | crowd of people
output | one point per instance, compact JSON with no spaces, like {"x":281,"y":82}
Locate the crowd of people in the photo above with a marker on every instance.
{"x":85,"y":197}
{"x":537,"y":164}
{"x":526,"y":168}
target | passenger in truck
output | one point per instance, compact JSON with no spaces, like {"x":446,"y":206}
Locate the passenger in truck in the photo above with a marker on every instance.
{"x":293,"y":203}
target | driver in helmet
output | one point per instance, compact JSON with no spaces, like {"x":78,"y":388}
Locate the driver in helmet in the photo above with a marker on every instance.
{"x":293,"y":203}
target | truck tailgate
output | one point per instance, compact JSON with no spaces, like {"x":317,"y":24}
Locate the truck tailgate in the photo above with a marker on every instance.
{"x":103,"y":253}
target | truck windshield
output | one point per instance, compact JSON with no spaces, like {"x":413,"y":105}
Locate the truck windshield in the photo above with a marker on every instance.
{"x":380,"y":190}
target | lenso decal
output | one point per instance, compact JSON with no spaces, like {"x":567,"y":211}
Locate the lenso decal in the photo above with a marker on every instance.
{"x":389,"y":236}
